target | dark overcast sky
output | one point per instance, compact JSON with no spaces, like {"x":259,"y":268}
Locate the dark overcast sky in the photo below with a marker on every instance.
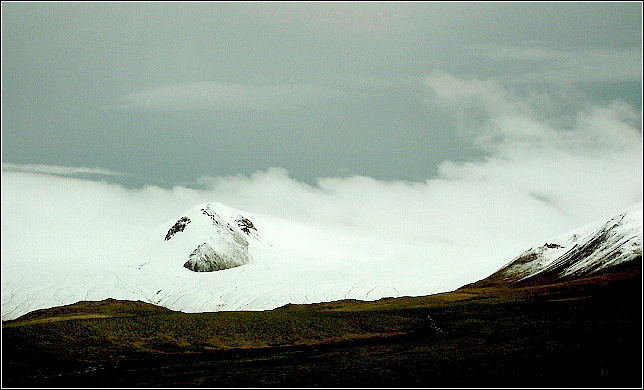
{"x":167,"y":93}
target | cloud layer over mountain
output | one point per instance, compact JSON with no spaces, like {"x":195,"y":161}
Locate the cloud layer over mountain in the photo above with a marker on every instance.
{"x":540,"y":179}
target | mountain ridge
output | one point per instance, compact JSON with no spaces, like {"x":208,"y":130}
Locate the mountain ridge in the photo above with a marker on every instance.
{"x":593,"y":248}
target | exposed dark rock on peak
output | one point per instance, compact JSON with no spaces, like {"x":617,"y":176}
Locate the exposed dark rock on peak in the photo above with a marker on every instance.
{"x":206,"y":259}
{"x":245,"y":224}
{"x":178,"y":227}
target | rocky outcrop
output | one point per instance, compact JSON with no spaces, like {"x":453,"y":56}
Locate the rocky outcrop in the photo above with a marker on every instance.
{"x":177,"y":227}
{"x":206,"y":259}
{"x":245,"y":225}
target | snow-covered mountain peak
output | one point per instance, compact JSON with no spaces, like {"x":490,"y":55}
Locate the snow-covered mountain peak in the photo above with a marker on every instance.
{"x":210,"y":237}
{"x":203,"y":216}
{"x":587,"y":250}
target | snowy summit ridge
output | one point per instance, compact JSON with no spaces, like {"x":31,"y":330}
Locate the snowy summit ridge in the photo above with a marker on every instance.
{"x":222,"y":238}
{"x":589,"y":250}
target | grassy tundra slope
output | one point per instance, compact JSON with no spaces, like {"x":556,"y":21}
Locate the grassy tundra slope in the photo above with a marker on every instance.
{"x":582,"y":333}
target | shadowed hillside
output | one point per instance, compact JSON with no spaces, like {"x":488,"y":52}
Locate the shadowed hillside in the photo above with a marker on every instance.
{"x":581,"y":333}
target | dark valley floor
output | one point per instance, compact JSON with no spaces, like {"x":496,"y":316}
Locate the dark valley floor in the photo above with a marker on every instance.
{"x":581,"y":333}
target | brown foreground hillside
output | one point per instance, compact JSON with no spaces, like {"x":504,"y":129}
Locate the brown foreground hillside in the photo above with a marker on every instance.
{"x":582,"y":333}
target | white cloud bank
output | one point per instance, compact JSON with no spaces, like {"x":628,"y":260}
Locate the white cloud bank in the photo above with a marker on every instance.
{"x":538,"y":182}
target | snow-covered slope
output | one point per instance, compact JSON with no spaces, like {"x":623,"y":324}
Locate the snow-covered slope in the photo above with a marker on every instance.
{"x":255,"y":262}
{"x":215,"y":242}
{"x":589,"y":250}
{"x":260,"y":262}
